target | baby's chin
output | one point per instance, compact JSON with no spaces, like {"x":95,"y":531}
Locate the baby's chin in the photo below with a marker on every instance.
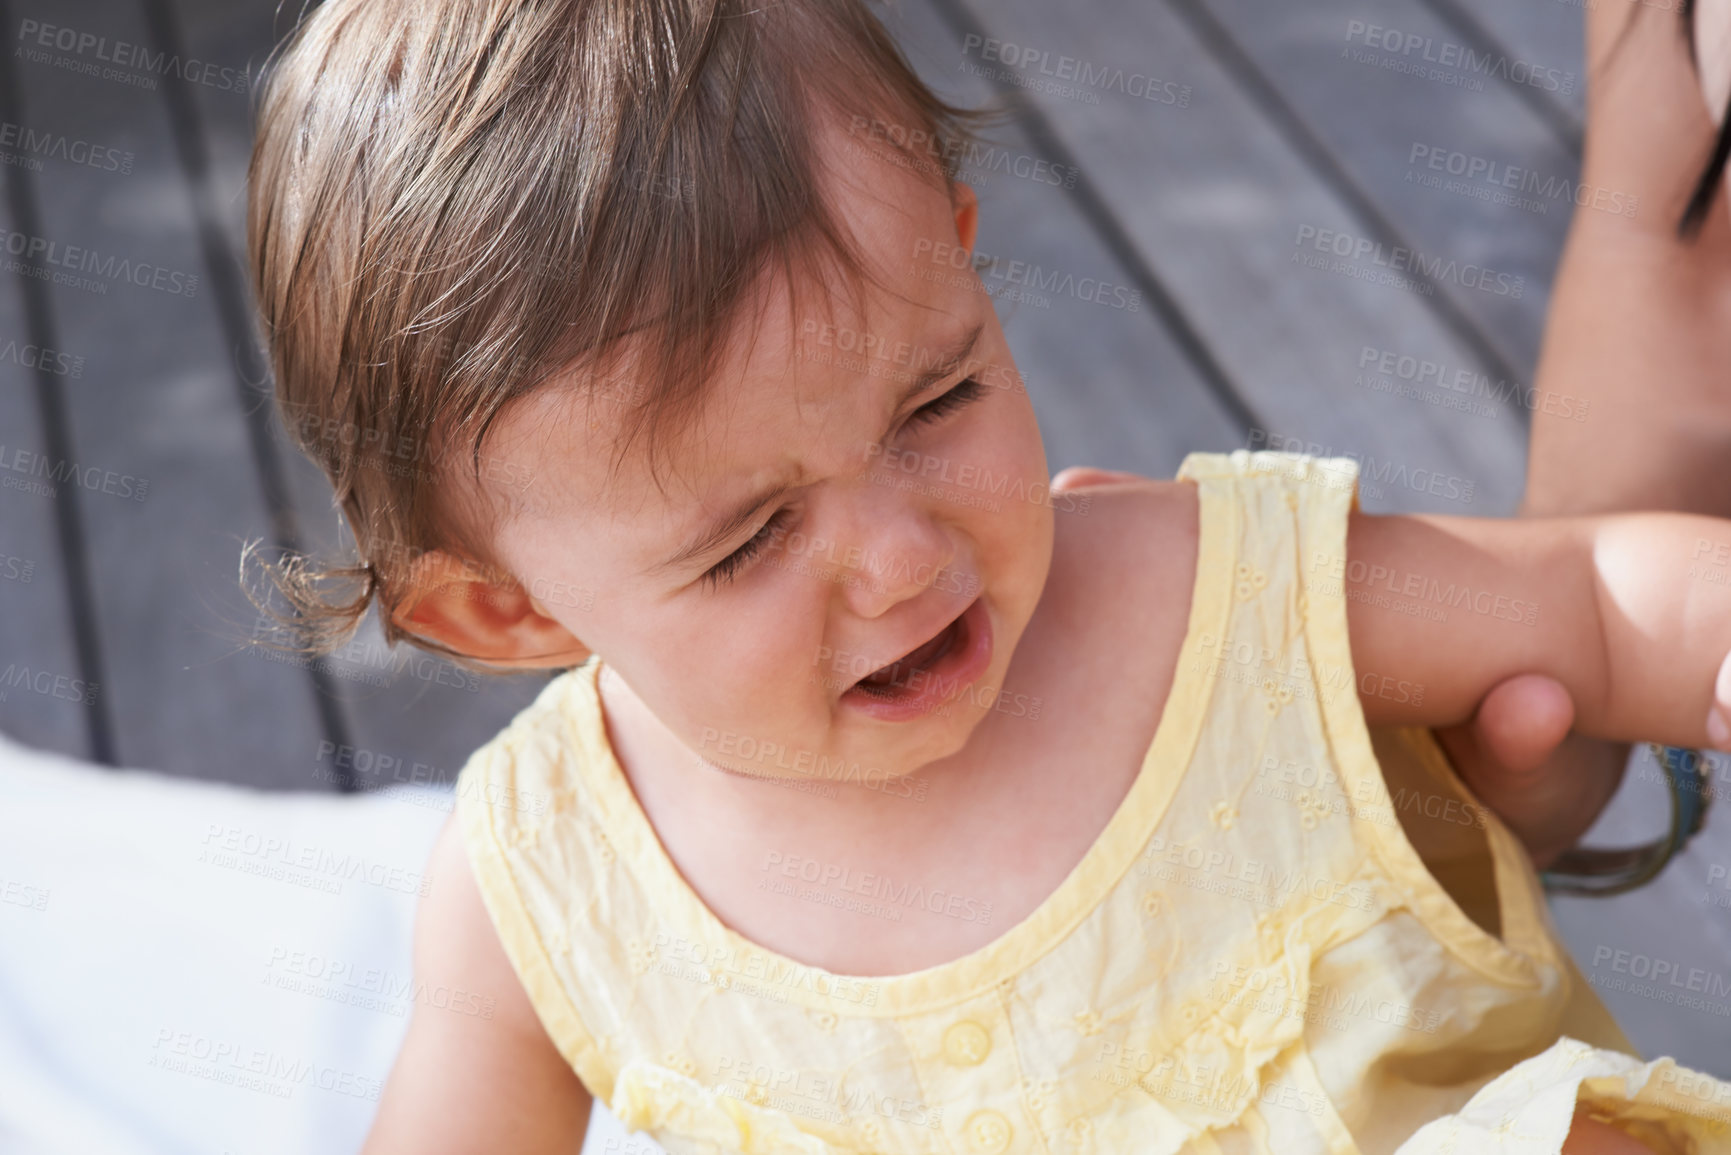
{"x":934,"y":748}
{"x":850,"y":756}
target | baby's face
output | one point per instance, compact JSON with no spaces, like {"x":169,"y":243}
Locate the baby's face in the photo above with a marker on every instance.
{"x":744,"y":626}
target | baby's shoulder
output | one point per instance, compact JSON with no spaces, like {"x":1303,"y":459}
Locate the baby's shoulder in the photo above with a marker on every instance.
{"x":1127,"y":536}
{"x":1124,"y":565}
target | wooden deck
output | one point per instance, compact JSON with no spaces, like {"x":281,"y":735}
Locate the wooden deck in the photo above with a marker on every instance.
{"x":1213,"y":144}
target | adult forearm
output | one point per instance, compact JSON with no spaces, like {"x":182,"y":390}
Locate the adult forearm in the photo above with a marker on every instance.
{"x":1663,"y":590}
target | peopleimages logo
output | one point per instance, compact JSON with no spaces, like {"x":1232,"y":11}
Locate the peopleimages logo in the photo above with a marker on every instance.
{"x":84,"y":260}
{"x":59,"y":146}
{"x":1407,"y":46}
{"x":34,"y":34}
{"x":1070,"y":76}
{"x":1373,"y":474}
{"x":1027,"y":276}
{"x":1425,"y":377}
{"x":39,"y":357}
{"x":91,"y":477}
{"x":1499,"y":182}
{"x":981,"y":160}
{"x":1347,"y":247}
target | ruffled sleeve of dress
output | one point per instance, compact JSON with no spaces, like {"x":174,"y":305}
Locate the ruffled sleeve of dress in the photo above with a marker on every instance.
{"x":1529,"y":1108}
{"x":651,"y":1097}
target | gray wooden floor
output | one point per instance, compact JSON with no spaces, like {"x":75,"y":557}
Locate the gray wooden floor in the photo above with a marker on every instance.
{"x":1214,"y":144}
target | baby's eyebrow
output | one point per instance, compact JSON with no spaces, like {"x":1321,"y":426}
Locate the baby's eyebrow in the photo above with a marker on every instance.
{"x":943,"y":364}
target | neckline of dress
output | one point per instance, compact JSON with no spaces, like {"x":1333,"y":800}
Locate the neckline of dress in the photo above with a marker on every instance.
{"x":743,"y":961}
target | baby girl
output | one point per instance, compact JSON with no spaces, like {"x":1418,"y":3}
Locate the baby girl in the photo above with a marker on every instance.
{"x":890,"y":801}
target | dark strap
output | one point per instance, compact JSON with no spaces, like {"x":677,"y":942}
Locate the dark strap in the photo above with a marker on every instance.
{"x":1603,"y":872}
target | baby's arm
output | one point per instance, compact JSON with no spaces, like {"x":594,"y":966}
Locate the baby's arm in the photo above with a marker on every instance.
{"x":464,"y":1084}
{"x":1587,"y":1137}
{"x":1623,"y":610}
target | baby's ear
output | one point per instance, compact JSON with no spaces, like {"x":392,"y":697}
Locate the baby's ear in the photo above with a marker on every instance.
{"x":488,"y":617}
{"x":967,"y":212}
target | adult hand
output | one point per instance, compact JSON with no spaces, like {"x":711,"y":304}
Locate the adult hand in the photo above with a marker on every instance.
{"x":1516,"y":753}
{"x":1518,"y":758}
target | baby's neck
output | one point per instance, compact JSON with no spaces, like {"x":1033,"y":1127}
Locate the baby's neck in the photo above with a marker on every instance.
{"x":1002,"y":822}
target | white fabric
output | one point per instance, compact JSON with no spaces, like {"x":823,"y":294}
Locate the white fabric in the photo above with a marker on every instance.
{"x":148,"y":925}
{"x":127,"y":937}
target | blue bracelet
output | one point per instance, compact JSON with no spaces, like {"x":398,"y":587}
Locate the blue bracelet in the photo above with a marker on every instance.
{"x":1600,"y":873}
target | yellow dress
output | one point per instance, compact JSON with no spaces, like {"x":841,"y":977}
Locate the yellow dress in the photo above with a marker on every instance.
{"x":1252,"y":957}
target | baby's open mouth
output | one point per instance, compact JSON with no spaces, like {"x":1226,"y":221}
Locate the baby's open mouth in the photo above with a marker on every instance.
{"x":926,"y":678}
{"x":886,"y":680}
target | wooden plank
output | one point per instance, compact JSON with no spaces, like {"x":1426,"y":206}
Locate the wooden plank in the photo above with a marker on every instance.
{"x":1548,"y":33}
{"x":1219,"y":201}
{"x":157,"y":420}
{"x":1679,"y":919}
{"x":45,"y":694}
{"x":1091,"y":368}
{"x":1450,"y":155}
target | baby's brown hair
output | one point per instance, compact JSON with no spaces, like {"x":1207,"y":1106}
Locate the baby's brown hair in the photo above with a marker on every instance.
{"x":452,"y":201}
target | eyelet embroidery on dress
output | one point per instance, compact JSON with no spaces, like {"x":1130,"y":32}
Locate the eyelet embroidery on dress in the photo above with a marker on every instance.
{"x":1088,"y":1021}
{"x":1251,"y":581}
{"x":1151,"y":903}
{"x":1277,"y":694}
{"x":1035,"y":1093}
{"x":1079,"y":1131}
{"x":1312,"y":809}
{"x":824,"y":1020}
{"x":1223,"y":815}
{"x":649,"y":1096}
{"x":641,"y":955}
